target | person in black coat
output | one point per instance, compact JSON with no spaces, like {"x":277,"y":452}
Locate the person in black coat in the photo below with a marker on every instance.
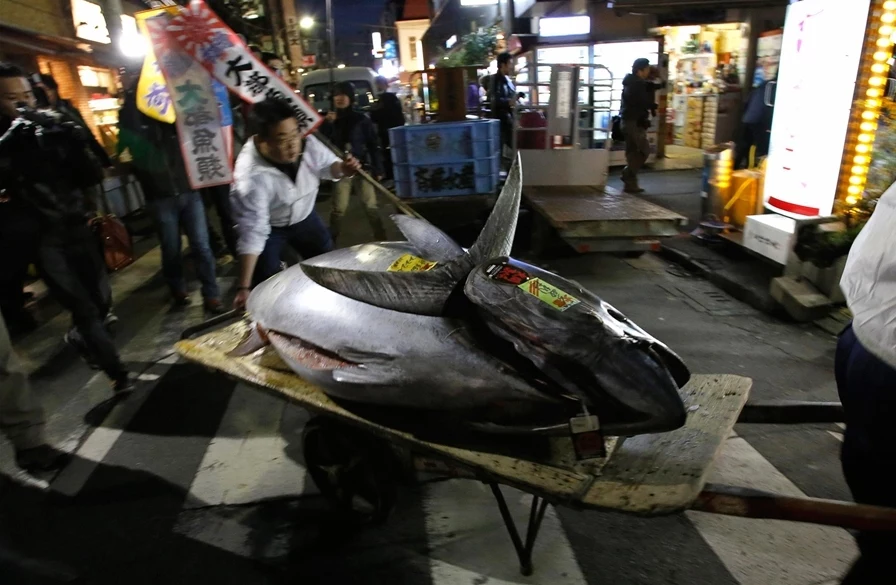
{"x":637,"y":104}
{"x":387,"y":113}
{"x":354,"y":132}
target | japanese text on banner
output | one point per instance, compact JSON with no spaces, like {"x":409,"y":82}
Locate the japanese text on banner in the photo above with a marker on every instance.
{"x":153,"y":97}
{"x":209,"y":41}
{"x":198,"y":120}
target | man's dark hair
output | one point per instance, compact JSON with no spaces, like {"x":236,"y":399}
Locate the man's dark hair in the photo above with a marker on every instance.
{"x":10,"y":71}
{"x":640,"y":64}
{"x":267,"y":57}
{"x":503,"y":58}
{"x":267,"y":114}
{"x":47,"y":80}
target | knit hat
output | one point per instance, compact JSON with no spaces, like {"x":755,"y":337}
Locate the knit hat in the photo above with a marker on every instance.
{"x":346,"y":88}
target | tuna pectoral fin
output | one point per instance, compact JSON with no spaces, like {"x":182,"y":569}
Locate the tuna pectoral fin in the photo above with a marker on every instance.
{"x":421,"y":293}
{"x":372,"y":375}
{"x":432,"y":242}
{"x":252,"y":343}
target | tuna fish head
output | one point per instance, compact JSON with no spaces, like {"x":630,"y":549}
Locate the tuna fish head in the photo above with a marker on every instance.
{"x":585,"y":347}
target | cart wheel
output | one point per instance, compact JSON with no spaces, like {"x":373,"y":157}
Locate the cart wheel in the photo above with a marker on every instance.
{"x":352,"y":470}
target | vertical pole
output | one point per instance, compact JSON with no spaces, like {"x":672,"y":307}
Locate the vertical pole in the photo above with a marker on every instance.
{"x":331,"y":39}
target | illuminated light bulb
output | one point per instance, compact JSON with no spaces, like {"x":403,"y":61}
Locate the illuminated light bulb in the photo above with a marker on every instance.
{"x":859,"y":170}
{"x":855,"y":180}
{"x":864,"y":138}
{"x":863,"y":148}
{"x":869,"y":115}
{"x":860,"y":159}
{"x":887,"y":17}
{"x":873,"y":92}
{"x":881,"y":56}
{"x":876,"y":81}
{"x":872,"y":104}
{"x":854,"y":190}
{"x":868,"y":126}
{"x":890,"y":5}
{"x":851,"y":200}
{"x":878,"y":68}
{"x":885,"y":31}
{"x":883,"y":43}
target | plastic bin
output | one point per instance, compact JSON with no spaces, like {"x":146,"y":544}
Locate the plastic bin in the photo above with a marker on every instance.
{"x":445,"y":142}
{"x":447,"y":179}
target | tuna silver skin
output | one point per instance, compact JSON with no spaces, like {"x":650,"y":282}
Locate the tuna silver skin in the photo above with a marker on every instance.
{"x":474,"y":332}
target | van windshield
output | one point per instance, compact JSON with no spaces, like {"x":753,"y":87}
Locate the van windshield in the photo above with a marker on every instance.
{"x":319,"y":94}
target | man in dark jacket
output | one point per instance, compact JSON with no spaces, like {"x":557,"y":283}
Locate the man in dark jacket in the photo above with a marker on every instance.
{"x":635,"y":113}
{"x":353,"y":131}
{"x":387,"y":113}
{"x":45,"y":164}
{"x":502,"y":97}
{"x":756,"y":126}
{"x":159,"y":167}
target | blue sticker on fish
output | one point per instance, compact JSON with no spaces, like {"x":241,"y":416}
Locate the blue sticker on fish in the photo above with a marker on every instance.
{"x":538,"y":288}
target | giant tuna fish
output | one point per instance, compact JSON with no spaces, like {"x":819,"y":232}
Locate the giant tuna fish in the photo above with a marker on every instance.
{"x":425,"y":324}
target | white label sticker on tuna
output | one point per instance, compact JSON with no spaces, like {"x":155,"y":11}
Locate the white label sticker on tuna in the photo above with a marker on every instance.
{"x":411,"y":263}
{"x":549,"y":294}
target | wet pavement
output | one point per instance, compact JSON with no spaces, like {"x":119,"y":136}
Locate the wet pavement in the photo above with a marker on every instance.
{"x":198,"y":479}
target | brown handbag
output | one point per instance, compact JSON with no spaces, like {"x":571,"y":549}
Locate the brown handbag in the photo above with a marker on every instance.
{"x":115,"y":241}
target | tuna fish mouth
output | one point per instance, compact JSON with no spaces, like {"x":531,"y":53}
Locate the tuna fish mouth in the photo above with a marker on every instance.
{"x":305,"y":353}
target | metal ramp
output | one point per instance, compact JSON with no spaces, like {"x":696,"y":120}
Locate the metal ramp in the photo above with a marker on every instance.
{"x":600,"y":219}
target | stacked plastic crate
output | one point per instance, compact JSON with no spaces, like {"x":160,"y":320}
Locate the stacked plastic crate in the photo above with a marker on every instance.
{"x":446,"y":159}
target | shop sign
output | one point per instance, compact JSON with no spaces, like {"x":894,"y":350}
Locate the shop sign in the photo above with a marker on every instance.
{"x":561,"y":108}
{"x":564,"y":26}
{"x":819,"y":64}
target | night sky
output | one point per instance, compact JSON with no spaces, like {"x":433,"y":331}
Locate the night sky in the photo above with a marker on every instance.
{"x":354,"y":20}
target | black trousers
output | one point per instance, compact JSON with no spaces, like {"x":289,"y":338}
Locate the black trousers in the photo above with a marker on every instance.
{"x":19,"y":237}
{"x":750,"y":135}
{"x":218,"y":198}
{"x":867,"y":388}
{"x":76,"y":278}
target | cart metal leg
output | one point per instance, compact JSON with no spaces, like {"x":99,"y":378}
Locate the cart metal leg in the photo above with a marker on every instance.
{"x":536,"y":515}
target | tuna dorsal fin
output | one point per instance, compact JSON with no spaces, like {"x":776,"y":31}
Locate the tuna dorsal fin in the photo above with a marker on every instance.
{"x":496,"y":238}
{"x":421,"y":293}
{"x":432,"y":242}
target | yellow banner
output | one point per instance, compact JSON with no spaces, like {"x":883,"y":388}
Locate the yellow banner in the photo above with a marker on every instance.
{"x":153,"y":98}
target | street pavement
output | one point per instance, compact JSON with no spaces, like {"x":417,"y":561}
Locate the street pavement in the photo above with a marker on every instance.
{"x":198,"y":479}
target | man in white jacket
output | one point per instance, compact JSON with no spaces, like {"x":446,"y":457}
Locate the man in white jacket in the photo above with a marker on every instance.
{"x":866,"y":380}
{"x":273,"y":194}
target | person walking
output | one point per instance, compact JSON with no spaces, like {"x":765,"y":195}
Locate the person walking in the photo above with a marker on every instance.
{"x":635,"y":113}
{"x":387,"y":113}
{"x":45,"y":164}
{"x":159,"y":167}
{"x":865,"y":369}
{"x":275,"y":184}
{"x":352,"y":130}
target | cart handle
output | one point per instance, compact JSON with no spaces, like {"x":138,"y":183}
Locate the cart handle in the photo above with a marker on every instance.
{"x":750,"y":503}
{"x":211,"y":323}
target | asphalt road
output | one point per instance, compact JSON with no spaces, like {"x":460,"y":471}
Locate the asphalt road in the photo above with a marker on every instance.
{"x":198,"y":479}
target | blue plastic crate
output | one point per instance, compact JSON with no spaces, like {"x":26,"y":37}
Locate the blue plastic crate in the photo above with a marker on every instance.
{"x":466,"y":177}
{"x":445,"y":141}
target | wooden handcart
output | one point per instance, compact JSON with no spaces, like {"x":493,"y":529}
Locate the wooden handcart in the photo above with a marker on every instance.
{"x":352,"y":458}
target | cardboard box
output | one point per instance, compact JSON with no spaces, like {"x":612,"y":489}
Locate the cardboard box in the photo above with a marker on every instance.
{"x":770,"y":235}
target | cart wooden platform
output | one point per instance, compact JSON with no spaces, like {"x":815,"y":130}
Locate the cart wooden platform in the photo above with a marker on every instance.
{"x":600,"y":219}
{"x":645,"y":475}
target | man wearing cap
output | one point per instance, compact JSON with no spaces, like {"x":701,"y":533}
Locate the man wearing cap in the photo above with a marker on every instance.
{"x":865,"y":366}
{"x":635,"y":113}
{"x":354,"y":132}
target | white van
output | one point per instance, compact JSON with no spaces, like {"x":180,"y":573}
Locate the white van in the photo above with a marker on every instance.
{"x":315,"y":86}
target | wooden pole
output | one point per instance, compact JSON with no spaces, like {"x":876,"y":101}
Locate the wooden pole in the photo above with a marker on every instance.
{"x":401,"y":205}
{"x":748,"y":503}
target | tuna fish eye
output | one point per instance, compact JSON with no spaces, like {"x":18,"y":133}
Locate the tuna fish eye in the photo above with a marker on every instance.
{"x":616,"y":314}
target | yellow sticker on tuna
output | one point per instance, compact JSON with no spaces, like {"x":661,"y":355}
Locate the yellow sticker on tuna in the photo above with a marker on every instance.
{"x":549,"y":294}
{"x":411,"y":263}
